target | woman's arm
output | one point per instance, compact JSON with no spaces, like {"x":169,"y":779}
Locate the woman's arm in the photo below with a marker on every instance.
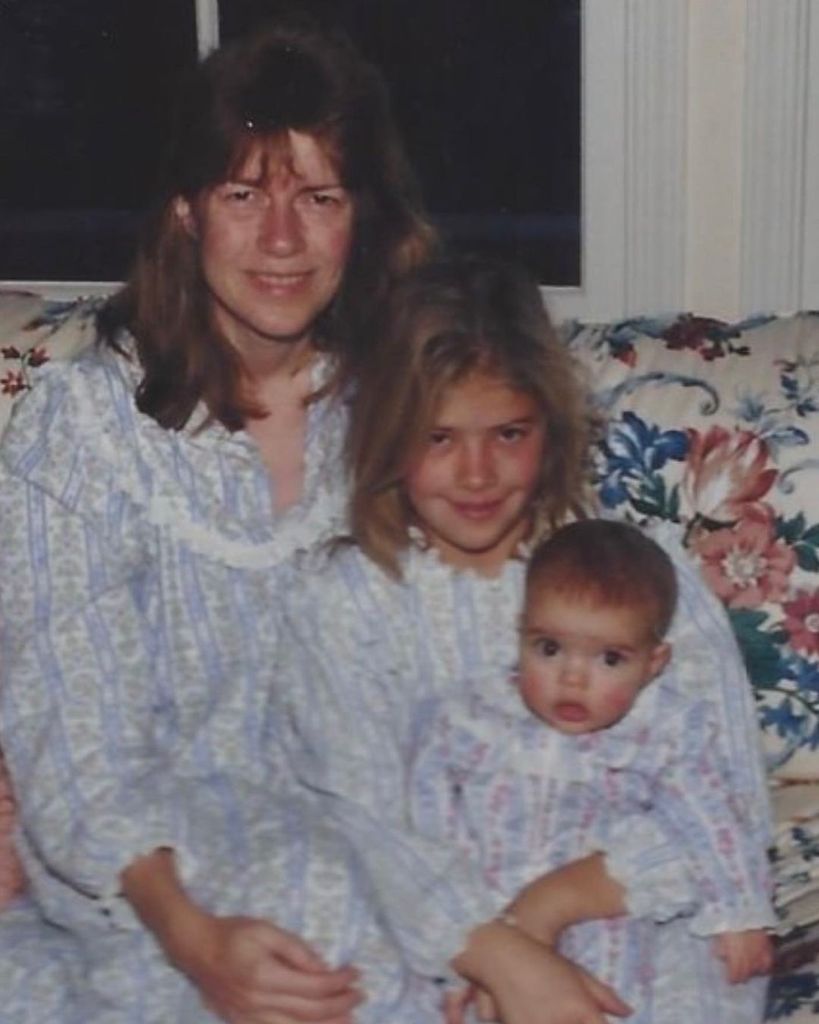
{"x":530,"y":984}
{"x":88,"y":706}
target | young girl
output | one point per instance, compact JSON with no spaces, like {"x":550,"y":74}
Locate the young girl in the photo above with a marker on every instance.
{"x":469,"y":440}
{"x":600,"y":596}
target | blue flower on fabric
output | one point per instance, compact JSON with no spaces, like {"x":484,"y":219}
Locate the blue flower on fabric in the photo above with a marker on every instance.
{"x":632,"y":453}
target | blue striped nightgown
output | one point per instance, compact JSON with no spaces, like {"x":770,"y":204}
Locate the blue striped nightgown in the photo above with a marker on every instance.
{"x":140,"y":577}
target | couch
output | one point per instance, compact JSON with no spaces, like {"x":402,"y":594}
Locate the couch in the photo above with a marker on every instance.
{"x":713,"y":426}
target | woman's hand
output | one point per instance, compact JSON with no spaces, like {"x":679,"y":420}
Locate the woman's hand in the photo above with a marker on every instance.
{"x":530,"y":983}
{"x":248,"y":971}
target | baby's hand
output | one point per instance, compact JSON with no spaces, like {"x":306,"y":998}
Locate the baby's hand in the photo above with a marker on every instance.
{"x":745,"y":954}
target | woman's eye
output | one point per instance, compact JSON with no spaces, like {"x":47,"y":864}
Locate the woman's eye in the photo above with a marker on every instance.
{"x":437,"y":438}
{"x":323,"y":200}
{"x":612,"y":658}
{"x":239,"y":194}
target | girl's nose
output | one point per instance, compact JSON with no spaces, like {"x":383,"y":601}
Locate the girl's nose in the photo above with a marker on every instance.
{"x":477,"y":468}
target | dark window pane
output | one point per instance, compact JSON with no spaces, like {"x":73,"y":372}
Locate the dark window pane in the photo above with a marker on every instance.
{"x":488,"y":98}
{"x":85,"y":88}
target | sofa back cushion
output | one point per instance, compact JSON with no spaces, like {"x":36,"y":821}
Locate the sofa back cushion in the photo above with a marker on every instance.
{"x":715,"y":426}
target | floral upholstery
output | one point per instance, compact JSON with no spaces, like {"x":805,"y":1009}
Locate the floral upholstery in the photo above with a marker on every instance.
{"x":31,"y":333}
{"x":716,"y":427}
{"x":710,"y":425}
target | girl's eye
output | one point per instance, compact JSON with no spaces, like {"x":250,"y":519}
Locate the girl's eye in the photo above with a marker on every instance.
{"x":437,"y":438}
{"x":612,"y":658}
{"x":512,"y":433}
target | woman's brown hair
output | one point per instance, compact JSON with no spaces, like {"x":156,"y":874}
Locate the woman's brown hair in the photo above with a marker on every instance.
{"x":291,"y":76}
{"x":446,"y":320}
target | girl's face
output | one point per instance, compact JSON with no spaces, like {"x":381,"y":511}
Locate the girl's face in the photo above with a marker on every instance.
{"x":471,"y":483}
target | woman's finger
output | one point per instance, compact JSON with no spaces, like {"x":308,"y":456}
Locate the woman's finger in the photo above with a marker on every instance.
{"x":605,"y":996}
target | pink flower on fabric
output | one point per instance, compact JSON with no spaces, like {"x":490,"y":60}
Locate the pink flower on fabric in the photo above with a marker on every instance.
{"x":745,"y":565}
{"x":725,"y":472}
{"x":37,"y":357}
{"x":802,"y":621}
{"x":12,"y":383}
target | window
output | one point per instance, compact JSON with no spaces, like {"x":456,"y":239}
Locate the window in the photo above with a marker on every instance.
{"x":85,"y":89}
{"x":487,"y":96}
{"x":488,"y":99}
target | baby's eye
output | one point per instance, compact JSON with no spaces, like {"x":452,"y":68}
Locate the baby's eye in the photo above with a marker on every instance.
{"x":547,"y":647}
{"x":612,"y":658}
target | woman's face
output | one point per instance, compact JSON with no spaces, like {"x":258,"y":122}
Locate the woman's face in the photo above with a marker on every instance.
{"x":472,"y":482}
{"x":273,"y":247}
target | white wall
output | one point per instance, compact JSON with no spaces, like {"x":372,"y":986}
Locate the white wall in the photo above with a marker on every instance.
{"x":716,"y":59}
{"x":701,"y":150}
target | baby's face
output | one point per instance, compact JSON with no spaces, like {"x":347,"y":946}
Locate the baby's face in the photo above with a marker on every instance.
{"x":582,"y":665}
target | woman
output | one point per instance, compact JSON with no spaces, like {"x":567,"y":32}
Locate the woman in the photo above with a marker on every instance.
{"x":152,"y":492}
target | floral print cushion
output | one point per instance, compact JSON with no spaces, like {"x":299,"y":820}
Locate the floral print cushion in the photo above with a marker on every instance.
{"x":716,"y":427}
{"x":32,"y":332}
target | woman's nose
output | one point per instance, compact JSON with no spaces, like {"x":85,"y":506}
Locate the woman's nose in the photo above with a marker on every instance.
{"x":280,"y":228}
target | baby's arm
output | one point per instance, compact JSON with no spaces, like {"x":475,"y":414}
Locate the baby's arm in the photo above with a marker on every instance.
{"x":745,"y":954}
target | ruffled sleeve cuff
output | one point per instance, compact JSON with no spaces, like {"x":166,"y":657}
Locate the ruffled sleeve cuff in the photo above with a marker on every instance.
{"x":649,"y":868}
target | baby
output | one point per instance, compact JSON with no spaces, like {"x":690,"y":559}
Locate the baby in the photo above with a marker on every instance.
{"x":486,"y":775}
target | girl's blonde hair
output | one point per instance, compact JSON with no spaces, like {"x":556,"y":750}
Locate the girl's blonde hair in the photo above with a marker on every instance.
{"x":446,"y":320}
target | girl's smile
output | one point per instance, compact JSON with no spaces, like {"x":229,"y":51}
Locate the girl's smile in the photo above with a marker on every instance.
{"x":471,"y":485}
